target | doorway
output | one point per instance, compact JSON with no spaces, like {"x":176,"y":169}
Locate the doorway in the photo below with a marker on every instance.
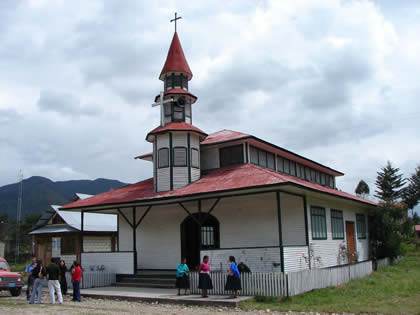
{"x":351,"y":243}
{"x":196,"y":236}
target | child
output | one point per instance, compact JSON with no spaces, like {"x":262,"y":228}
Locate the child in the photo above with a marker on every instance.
{"x":182,"y":280}
{"x":233,"y":282}
{"x":204,"y":280}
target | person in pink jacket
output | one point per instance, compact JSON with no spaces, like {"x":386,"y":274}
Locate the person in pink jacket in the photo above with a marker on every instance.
{"x":204,"y":280}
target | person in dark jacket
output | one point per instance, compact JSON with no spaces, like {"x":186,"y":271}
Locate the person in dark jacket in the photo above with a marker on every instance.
{"x":233,"y":282}
{"x":63,"y":280}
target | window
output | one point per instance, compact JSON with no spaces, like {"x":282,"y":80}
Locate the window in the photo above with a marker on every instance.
{"x":207,"y":236}
{"x":180,"y":156}
{"x":253,"y":155}
{"x":292,"y":168}
{"x":178,"y":113}
{"x":361,"y":226}
{"x":68,"y":245}
{"x":167,"y":109}
{"x":262,"y":158}
{"x":195,"y":159}
{"x":337,"y":224}
{"x":317,"y":177}
{"x":312,"y":176}
{"x":280,"y":166}
{"x":231,"y":155}
{"x":270,"y":161}
{"x":302,"y":171}
{"x":307,"y":173}
{"x":163,"y":158}
{"x":318,"y":223}
{"x":322,"y":179}
{"x":286,"y":166}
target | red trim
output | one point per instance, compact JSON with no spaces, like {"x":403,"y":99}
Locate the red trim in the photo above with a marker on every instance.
{"x":144,"y":156}
{"x":175,"y":126}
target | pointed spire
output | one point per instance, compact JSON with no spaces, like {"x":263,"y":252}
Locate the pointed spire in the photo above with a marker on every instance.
{"x":175,"y":61}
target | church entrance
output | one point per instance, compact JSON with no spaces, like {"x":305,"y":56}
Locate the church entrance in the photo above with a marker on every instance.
{"x":198,"y":232}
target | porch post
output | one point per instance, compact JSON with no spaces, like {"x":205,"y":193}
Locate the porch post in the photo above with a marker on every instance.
{"x":306,"y":220}
{"x":134,"y":241}
{"x":82,"y":228}
{"x":280,"y":231}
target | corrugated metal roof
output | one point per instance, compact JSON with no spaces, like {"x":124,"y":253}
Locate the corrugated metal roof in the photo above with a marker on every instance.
{"x":54,"y":229}
{"x":223,"y":179}
{"x":175,"y":126}
{"x":222,"y":136}
{"x":175,"y":61}
{"x":417,"y":227}
{"x":82,"y":196}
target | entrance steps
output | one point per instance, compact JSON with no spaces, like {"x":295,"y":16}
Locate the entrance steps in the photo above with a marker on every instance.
{"x":164,"y":279}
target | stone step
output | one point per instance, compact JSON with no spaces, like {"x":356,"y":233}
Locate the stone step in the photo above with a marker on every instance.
{"x":147,"y":280}
{"x":145,"y":285}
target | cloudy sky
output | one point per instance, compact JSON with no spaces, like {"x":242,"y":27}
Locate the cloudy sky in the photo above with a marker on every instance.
{"x":335,"y":81}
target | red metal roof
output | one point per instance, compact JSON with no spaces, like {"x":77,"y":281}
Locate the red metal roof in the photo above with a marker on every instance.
{"x":175,"y":126}
{"x":147,"y":156}
{"x":234,"y":177}
{"x":175,"y":61}
{"x":223,"y":135}
{"x":177,"y":92}
{"x":417,"y":227}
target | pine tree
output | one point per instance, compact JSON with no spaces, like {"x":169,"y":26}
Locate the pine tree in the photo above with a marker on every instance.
{"x":411,"y":194}
{"x":362,"y":189}
{"x":389,"y":183}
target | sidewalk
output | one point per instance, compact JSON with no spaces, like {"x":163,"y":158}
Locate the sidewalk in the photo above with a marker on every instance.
{"x":160,"y":296}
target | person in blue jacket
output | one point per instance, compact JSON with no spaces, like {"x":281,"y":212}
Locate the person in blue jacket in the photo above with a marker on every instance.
{"x":182,"y":277}
{"x":233,"y":282}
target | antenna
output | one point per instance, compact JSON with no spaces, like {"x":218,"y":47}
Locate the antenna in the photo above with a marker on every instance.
{"x":19,"y":214}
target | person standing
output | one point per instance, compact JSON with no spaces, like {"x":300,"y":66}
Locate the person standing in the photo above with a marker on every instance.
{"x":76,"y":278}
{"x":204,"y":280}
{"x":63,"y":280}
{"x":28,"y":272}
{"x":233,"y":282}
{"x":39,"y":274}
{"x":182,"y":279}
{"x":53,"y":276}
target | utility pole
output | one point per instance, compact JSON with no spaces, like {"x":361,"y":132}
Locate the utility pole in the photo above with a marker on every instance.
{"x":19,"y":215}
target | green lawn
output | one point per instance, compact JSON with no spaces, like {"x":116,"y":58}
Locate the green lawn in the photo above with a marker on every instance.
{"x":393,"y":289}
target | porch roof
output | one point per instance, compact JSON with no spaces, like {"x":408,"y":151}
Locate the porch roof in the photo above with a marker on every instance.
{"x":236,"y":177}
{"x":54,"y":229}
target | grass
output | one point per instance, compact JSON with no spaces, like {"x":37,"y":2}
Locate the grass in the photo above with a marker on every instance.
{"x":391,"y":290}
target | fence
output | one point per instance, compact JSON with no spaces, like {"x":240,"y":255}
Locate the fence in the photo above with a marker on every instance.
{"x":94,"y":279}
{"x":289,"y":284}
{"x":307,"y":280}
{"x":256,"y":283}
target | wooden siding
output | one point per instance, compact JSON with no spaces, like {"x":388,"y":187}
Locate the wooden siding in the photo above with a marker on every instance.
{"x":180,"y":177}
{"x":114,"y":262}
{"x":159,"y":239}
{"x":292,"y":220}
{"x":328,"y":250}
{"x":163,"y":174}
{"x":248,"y":221}
{"x":257,"y":259}
{"x":295,"y":258}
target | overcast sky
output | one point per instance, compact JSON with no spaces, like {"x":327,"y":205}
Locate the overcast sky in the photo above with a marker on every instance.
{"x":335,"y":81}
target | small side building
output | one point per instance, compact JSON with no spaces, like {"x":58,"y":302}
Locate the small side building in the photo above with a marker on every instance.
{"x":57,"y":234}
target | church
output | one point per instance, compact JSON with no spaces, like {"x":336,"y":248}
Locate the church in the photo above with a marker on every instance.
{"x":225,"y":193}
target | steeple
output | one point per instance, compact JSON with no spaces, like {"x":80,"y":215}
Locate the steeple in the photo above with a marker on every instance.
{"x":175,"y":61}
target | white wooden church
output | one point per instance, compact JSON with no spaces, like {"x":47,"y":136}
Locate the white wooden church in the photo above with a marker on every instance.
{"x":226,"y":193}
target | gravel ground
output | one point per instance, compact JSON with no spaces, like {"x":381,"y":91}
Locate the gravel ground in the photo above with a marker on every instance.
{"x":19,"y":305}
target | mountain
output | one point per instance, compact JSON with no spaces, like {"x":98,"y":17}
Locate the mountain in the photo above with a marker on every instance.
{"x":40,"y":192}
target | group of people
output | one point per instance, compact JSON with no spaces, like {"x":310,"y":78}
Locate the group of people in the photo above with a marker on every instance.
{"x":52,"y":276}
{"x":233,"y":281}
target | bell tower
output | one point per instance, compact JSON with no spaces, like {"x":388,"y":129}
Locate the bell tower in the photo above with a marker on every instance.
{"x":176,"y":142}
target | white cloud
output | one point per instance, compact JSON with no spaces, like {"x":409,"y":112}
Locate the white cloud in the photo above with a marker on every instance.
{"x":333,"y":80}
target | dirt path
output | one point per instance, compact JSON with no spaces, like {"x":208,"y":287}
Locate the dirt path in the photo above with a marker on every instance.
{"x":19,"y":305}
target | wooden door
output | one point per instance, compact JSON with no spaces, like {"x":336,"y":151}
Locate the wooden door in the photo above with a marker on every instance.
{"x":351,"y":245}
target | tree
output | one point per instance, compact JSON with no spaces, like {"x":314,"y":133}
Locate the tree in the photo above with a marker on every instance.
{"x":362,"y":189}
{"x":411,"y":193}
{"x":389,"y":183}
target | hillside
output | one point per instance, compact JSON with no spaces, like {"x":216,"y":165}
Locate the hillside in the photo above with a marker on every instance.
{"x":40,"y":192}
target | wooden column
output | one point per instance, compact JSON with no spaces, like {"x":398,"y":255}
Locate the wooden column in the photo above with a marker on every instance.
{"x":280,"y":231}
{"x":134,"y":240}
{"x":82,"y":223}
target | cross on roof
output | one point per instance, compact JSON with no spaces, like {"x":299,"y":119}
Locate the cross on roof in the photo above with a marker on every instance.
{"x":175,"y":19}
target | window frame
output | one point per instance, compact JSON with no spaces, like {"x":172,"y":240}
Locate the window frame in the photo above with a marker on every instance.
{"x":322,"y":222}
{"x":169,"y":158}
{"x":361,"y":231}
{"x":335,"y":224}
{"x":198,"y":158}
{"x":186,"y":156}
{"x":231,"y":147}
